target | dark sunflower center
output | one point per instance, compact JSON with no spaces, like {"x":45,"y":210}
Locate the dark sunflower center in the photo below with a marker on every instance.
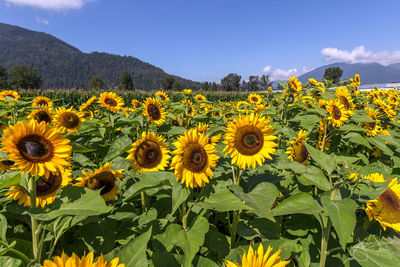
{"x":47,"y":186}
{"x":175,"y":122}
{"x":42,"y":116}
{"x":162,"y":97}
{"x":148,"y":154}
{"x":111,"y":102}
{"x":154,"y":112}
{"x":35,"y":148}
{"x":195,"y":158}
{"x":337,"y":114}
{"x":291,"y":99}
{"x":371,"y":125}
{"x":254,"y":99}
{"x":391,"y":199}
{"x":345,"y":102}
{"x":69,"y":120}
{"x":105,"y":180}
{"x":8,"y":162}
{"x":300,"y":153}
{"x":42,"y":103}
{"x":249,"y":140}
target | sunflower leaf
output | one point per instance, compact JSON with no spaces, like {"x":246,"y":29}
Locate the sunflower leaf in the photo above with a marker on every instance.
{"x":118,"y":147}
{"x":10,"y":178}
{"x":324,"y":160}
{"x":314,"y":176}
{"x":223,"y":200}
{"x":302,"y":203}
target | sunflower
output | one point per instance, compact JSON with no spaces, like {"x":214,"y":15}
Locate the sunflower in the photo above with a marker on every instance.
{"x":321,"y":134}
{"x":150,"y":153}
{"x":337,"y":113}
{"x":111,"y":101}
{"x":295,"y":84}
{"x":315,"y":82}
{"x":154,"y":112}
{"x":85,"y":261}
{"x":10,"y":93}
{"x":259,"y":108}
{"x":259,"y":258}
{"x":269,"y":88}
{"x":322,"y":103}
{"x":242,"y":106}
{"x":372,"y":128}
{"x":36,"y":148}
{"x":46,"y":189}
{"x":187,"y":91}
{"x":386,"y":208}
{"x":68,"y":120}
{"x":102,"y":178}
{"x":249,"y":140}
{"x":357,"y":79}
{"x":194,"y":158}
{"x":385,"y":108}
{"x":136,"y":103}
{"x":189,"y":107}
{"x":200,"y":97}
{"x":163,"y":96}
{"x":298,"y":151}
{"x":87,"y":104}
{"x":42,"y":101}
{"x":202,"y":128}
{"x":6,"y":165}
{"x":255,"y":99}
{"x":42,"y":114}
{"x":343,"y":94}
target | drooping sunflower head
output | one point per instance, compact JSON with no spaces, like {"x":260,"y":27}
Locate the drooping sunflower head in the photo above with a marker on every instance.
{"x":42,"y":101}
{"x":295,"y":84}
{"x":6,"y":165}
{"x":162,"y":95}
{"x":154,"y":112}
{"x":250,"y":140}
{"x":259,"y":258}
{"x":36,"y":148}
{"x":103,"y":178}
{"x":74,"y":261}
{"x":337,"y":113}
{"x":68,"y":120}
{"x":111,"y":101}
{"x":42,"y":114}
{"x":255,"y":99}
{"x":297,"y":150}
{"x":316,"y":83}
{"x":9,"y":93}
{"x":136,"y":103}
{"x":344,"y":96}
{"x":193,"y":159}
{"x":200,"y":97}
{"x":87,"y":104}
{"x":150,"y":153}
{"x":187,"y":91}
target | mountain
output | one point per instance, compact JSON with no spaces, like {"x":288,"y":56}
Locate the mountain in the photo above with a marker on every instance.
{"x":63,"y":66}
{"x":369,"y":72}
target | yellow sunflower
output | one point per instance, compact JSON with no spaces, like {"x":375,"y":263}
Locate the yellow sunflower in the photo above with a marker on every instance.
{"x":42,"y":101}
{"x":298,"y":151}
{"x":321,"y":134}
{"x":194,"y":158}
{"x":200,"y":97}
{"x":202,"y":128}
{"x":357,"y":79}
{"x":6,"y":165}
{"x":87,"y":104}
{"x":189,"y":107}
{"x":259,"y":258}
{"x":136,"y":103}
{"x":337,"y":113}
{"x":36,"y":148}
{"x":343,"y":94}
{"x":154,"y":112}
{"x":249,"y":140}
{"x":372,"y":128}
{"x":9,"y":93}
{"x":86,"y":261}
{"x":386,"y":208}
{"x":187,"y":91}
{"x":102,"y":178}
{"x":255,"y":99}
{"x":111,"y":101}
{"x":41,"y":114}
{"x":46,"y":189}
{"x":295,"y":84}
{"x":315,"y":82}
{"x":68,"y":120}
{"x":162,"y":95}
{"x":150,"y":153}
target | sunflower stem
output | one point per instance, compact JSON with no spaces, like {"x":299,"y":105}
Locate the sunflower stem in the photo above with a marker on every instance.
{"x":34,"y":225}
{"x":144,"y":201}
{"x":324,"y":243}
{"x":235,"y":221}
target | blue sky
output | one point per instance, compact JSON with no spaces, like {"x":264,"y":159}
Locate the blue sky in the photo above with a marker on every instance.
{"x":207,"y":39}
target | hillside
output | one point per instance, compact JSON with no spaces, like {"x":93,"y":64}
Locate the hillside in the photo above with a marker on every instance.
{"x":370,"y":73}
{"x":63,"y":66}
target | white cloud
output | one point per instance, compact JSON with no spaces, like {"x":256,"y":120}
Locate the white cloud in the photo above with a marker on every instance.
{"x":41,"y":20}
{"x":50,"y":4}
{"x":280,"y":74}
{"x":267,"y":69}
{"x":360,"y":55}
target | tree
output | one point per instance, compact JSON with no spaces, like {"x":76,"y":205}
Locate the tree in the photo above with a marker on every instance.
{"x":177,"y":86}
{"x":126,"y":81}
{"x":24,"y":77}
{"x":231,"y":82}
{"x":333,"y":74}
{"x":3,"y":78}
{"x":214,"y":87}
{"x":205,"y":86}
{"x":254,"y":83}
{"x":96,"y":83}
{"x":167,"y":82}
{"x":265,"y":82}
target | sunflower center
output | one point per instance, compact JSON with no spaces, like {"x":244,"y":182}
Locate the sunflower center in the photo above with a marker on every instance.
{"x":154,"y":112}
{"x":195,"y":158}
{"x":105,"y":180}
{"x":290,"y":99}
{"x":371,"y":125}
{"x":42,"y":116}
{"x":345,"y":102}
{"x":254,"y":99}
{"x":337,"y":114}
{"x":111,"y":102}
{"x":162,"y":97}
{"x":42,"y":103}
{"x":249,"y":140}
{"x":148,"y":154}
{"x":47,"y":186}
{"x":391,"y":199}
{"x":7,"y":162}
{"x":300,"y":153}
{"x":35,"y":148}
{"x":69,"y":120}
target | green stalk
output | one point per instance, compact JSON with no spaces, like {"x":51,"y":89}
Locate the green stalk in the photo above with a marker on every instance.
{"x":324,"y":243}
{"x":235,"y":219}
{"x":34,"y":226}
{"x":144,"y":201}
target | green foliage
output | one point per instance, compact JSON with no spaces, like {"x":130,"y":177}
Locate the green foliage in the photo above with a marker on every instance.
{"x":96,"y":83}
{"x":22,"y":77}
{"x":231,"y":82}
{"x":333,"y":74}
{"x":126,"y":82}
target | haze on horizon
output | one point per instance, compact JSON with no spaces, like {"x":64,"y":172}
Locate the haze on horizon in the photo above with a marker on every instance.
{"x":206,"y":40}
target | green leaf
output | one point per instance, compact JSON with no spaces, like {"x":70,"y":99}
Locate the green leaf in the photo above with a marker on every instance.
{"x":179,"y":195}
{"x":72,"y":200}
{"x":118,"y":147}
{"x":357,"y":139}
{"x":322,"y":159}
{"x":368,"y":190}
{"x":170,"y":235}
{"x":300,"y":203}
{"x":379,"y":143}
{"x":10,"y":178}
{"x":342,"y":215}
{"x":9,"y":261}
{"x":261,"y":198}
{"x":3,"y":228}
{"x":79,"y":148}
{"x":314,"y":176}
{"x":350,"y":128}
{"x":223,"y":200}
{"x":82,"y":160}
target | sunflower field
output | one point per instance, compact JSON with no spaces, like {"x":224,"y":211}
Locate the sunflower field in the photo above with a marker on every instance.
{"x":306,"y":177}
